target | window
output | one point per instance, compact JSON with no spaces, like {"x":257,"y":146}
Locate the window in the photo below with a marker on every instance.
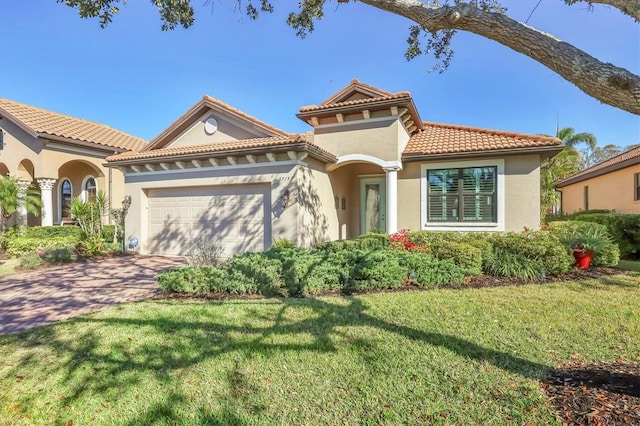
{"x":636,"y":186}
{"x":90,"y":189}
{"x":462,"y":194}
{"x":586,"y":198}
{"x":65,"y":197}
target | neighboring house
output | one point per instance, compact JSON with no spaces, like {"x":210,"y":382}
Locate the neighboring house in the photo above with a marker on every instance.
{"x":61,"y":156}
{"x":613,"y":184}
{"x":370,"y":163}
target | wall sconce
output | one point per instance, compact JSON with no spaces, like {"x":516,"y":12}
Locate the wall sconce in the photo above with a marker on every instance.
{"x":344,"y":203}
{"x":285,"y":198}
{"x":336,"y":201}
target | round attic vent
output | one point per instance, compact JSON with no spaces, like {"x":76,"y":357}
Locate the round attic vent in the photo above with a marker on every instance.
{"x":210,"y":126}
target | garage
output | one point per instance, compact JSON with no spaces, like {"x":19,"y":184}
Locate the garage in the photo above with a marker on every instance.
{"x":236,"y":217}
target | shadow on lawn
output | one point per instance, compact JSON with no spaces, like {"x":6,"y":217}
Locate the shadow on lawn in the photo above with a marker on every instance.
{"x":93,"y":370}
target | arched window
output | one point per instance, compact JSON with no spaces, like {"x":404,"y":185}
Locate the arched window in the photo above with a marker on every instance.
{"x":65,"y":197}
{"x":90,"y":189}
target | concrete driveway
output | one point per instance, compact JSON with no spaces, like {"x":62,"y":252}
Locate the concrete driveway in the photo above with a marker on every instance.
{"x":42,"y":297}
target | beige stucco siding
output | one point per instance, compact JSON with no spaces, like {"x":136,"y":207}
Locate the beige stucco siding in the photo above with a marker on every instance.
{"x":409,"y":204}
{"x":19,"y":146}
{"x":227,"y":131}
{"x":612,"y":191}
{"x":522,"y":192}
{"x":378,"y":138}
{"x":307,"y":207}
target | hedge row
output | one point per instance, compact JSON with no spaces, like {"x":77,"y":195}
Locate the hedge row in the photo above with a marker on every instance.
{"x":301,"y":272}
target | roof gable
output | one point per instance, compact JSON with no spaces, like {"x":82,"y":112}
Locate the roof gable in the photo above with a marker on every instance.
{"x":356,"y":91}
{"x":47,"y":124}
{"x":252,"y":127}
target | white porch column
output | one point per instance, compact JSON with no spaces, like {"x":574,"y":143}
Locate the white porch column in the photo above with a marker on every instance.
{"x":392,"y":198}
{"x":46,"y":185}
{"x":21,"y":208}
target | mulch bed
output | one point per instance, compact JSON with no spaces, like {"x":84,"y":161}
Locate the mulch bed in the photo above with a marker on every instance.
{"x":595,"y":394}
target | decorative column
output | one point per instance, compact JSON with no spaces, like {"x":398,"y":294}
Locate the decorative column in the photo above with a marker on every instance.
{"x":46,"y":185}
{"x":392,"y":198}
{"x":21,"y":209}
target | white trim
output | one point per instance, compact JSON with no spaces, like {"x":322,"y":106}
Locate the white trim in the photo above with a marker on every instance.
{"x":463,"y":226}
{"x":349,"y":158}
{"x":59,"y":195}
{"x":389,"y":118}
{"x":83,"y":191}
{"x":219,"y":168}
{"x":75,"y":150}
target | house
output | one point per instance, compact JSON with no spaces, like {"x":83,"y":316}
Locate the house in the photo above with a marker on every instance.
{"x":368,"y":163}
{"x":613,"y":184}
{"x":61,"y":156}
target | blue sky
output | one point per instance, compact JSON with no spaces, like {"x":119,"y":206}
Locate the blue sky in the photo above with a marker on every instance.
{"x":136,"y":78}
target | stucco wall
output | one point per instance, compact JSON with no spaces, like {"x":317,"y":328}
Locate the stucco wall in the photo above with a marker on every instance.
{"x":612,"y":191}
{"x":379,"y":138}
{"x":304,"y":198}
{"x":227,"y":131}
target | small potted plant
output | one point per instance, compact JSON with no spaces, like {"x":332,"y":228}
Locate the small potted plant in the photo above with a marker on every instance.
{"x":586,"y":242}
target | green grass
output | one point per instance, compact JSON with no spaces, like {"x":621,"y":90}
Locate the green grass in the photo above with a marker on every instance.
{"x":441,"y":357}
{"x":8,"y":266}
{"x":629,"y":265}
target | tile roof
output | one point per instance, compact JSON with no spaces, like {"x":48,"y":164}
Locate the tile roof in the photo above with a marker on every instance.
{"x":356,"y":86}
{"x":394,"y":96}
{"x":304,"y":140}
{"x":437,"y":138}
{"x":620,"y":161}
{"x":41,"y":121}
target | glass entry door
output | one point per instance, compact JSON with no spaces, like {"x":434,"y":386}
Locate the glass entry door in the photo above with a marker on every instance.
{"x":372,"y":205}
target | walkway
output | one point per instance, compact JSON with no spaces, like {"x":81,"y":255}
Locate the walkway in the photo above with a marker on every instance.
{"x":42,"y":297}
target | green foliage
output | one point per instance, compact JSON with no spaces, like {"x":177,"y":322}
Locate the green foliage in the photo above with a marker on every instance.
{"x":108,"y":233}
{"x":363,"y":242}
{"x":378,"y":269}
{"x":186,"y":280}
{"x":31,"y":261}
{"x":20,"y":246}
{"x":425,"y":271}
{"x":590,"y":236}
{"x":624,"y":228}
{"x":283,"y":243}
{"x":9,"y":199}
{"x":205,"y":252}
{"x":468,"y":257}
{"x":308,"y":272}
{"x":60,"y":255}
{"x":527,"y":254}
{"x":257,"y":273}
{"x":51,"y":231}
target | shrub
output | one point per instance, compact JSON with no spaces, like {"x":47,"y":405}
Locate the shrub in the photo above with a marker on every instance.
{"x":310,"y":272}
{"x":19,"y":246}
{"x":426,"y":271}
{"x":468,"y":257}
{"x":60,"y":255}
{"x":205,"y":253}
{"x":31,"y":261}
{"x":431,"y":237}
{"x":624,"y":228}
{"x":377,"y":270}
{"x":257,"y":273}
{"x":45,"y":232}
{"x":529,"y":251}
{"x":369,"y":241}
{"x":108,"y":233}
{"x":608,"y":253}
{"x":187,"y":279}
{"x":283,"y":243}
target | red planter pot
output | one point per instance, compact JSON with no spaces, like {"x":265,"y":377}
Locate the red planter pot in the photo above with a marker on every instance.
{"x":583,"y":258}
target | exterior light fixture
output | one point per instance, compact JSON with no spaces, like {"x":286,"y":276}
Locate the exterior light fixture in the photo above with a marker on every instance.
{"x":285,"y":198}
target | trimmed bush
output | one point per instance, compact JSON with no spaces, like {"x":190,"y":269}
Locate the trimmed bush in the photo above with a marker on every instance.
{"x":466,"y":256}
{"x":60,"y":255}
{"x":310,"y":272}
{"x":19,"y":246}
{"x":425,"y":271}
{"x":187,"y":279}
{"x":377,"y":270}
{"x":52,"y":232}
{"x":257,"y":273}
{"x":31,"y":261}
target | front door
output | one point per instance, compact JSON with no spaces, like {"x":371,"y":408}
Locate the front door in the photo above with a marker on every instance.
{"x":372,"y":205}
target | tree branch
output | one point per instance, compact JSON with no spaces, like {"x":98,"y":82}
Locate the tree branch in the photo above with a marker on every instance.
{"x":612,"y":85}
{"x":628,"y":7}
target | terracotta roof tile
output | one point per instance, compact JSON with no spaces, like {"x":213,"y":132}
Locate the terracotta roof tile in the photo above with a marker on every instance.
{"x":626,"y":159}
{"x":52,"y":123}
{"x":399,"y":95}
{"x":305,"y":139}
{"x":437,"y":138}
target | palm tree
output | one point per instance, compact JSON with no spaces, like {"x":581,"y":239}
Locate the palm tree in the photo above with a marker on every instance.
{"x":564,"y":164}
{"x":10,"y":201}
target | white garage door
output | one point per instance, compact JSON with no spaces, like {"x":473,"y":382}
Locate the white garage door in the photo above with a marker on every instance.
{"x":235,"y":217}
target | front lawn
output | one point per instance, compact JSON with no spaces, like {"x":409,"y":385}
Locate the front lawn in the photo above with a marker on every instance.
{"x":462,"y":357}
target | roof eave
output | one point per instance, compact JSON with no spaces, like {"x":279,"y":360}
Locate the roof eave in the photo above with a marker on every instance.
{"x":85,"y":144}
{"x":595,"y":173}
{"x":302,"y":115}
{"x":19,"y":123}
{"x":544,"y":151}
